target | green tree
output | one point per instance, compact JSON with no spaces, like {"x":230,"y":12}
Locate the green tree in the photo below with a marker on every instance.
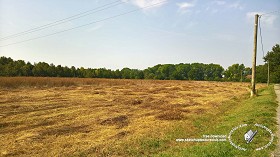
{"x":125,"y":73}
{"x":261,"y":73}
{"x":41,"y":69}
{"x":165,"y":72}
{"x":273,"y":57}
{"x":52,"y":70}
{"x":59,"y":71}
{"x":234,"y":72}
{"x":118,"y":74}
{"x":182,"y":71}
{"x":196,"y":72}
{"x":27,"y":69}
{"x":213,"y":72}
{"x":73,"y":72}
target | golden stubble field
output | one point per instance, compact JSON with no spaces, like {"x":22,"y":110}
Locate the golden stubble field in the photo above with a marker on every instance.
{"x":64,"y":116}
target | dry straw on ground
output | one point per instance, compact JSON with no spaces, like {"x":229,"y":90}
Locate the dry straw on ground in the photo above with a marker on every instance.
{"x":66,"y":116}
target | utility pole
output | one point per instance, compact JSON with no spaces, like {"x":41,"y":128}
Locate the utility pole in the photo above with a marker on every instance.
{"x":241,"y":75}
{"x":267,"y":73}
{"x":253,"y":90}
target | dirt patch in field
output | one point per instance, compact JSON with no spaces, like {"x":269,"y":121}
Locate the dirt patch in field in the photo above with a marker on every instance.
{"x":136,"y":102}
{"x":120,"y":121}
{"x":121,"y":134}
{"x":170,"y":115}
{"x":200,"y":111}
{"x":15,"y":109}
{"x":65,"y":130}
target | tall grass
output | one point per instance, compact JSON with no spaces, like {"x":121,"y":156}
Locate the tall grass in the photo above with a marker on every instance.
{"x":18,"y":82}
{"x":15,"y":82}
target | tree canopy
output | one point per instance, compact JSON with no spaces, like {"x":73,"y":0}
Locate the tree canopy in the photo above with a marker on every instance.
{"x":194,"y":71}
{"x":273,"y":58}
{"x":182,"y":71}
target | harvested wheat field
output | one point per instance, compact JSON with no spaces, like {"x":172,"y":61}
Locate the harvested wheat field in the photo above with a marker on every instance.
{"x":106,"y":117}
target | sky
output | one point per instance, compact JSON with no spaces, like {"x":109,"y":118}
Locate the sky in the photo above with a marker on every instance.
{"x":166,"y":32}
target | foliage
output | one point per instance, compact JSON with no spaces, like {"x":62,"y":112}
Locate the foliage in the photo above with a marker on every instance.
{"x":195,"y":71}
{"x":273,"y":57}
{"x":261,"y":73}
{"x":235,"y":72}
{"x":182,"y":71}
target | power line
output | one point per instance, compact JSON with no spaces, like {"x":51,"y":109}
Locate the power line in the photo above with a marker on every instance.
{"x":265,"y":14}
{"x":261,"y":35}
{"x":268,"y":75}
{"x":86,"y":13}
{"x":70,"y":18}
{"x":112,"y":17}
{"x":272,"y":12}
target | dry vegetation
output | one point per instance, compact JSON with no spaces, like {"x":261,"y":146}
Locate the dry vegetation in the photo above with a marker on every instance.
{"x":71,"y":116}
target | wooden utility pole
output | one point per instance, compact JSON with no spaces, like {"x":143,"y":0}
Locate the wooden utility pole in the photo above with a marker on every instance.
{"x":267,"y":72}
{"x":253,"y":90}
{"x":241,"y":75}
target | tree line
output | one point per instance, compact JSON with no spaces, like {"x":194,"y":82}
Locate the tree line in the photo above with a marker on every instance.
{"x":182,"y":71}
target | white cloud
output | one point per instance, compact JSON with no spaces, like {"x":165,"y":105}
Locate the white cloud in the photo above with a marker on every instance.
{"x":215,"y":6}
{"x":236,"y":5}
{"x":184,"y":6}
{"x":267,"y":21}
{"x":252,"y":14}
{"x":219,"y":2}
{"x":147,"y":3}
{"x":211,"y":10}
